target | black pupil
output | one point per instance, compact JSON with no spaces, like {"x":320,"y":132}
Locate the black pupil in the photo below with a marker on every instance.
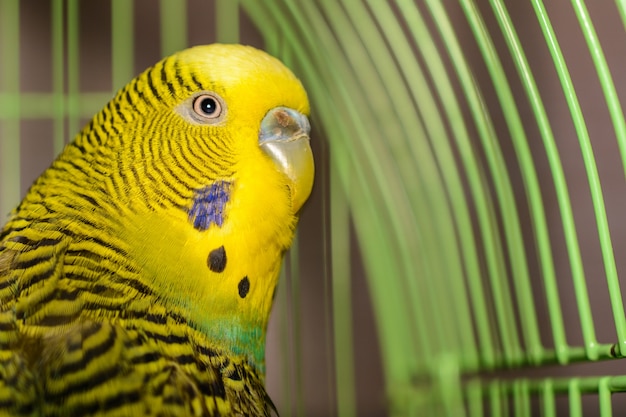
{"x":208,"y":105}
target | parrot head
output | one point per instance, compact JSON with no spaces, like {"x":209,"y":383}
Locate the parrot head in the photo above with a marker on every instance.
{"x":257,"y":97}
{"x":202,"y":164}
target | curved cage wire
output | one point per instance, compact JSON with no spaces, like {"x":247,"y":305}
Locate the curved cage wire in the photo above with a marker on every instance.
{"x":480,"y":149}
{"x":471,"y":161}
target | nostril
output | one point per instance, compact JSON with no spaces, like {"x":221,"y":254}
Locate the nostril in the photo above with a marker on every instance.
{"x":283,"y":124}
{"x":282,"y":117}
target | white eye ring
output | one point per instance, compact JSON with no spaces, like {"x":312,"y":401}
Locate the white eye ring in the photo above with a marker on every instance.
{"x":207,"y":106}
{"x":203,"y":108}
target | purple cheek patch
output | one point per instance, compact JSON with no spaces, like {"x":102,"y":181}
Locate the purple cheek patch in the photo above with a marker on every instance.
{"x":208,"y":205}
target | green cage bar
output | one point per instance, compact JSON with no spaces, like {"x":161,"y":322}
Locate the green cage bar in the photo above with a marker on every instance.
{"x":9,"y":106}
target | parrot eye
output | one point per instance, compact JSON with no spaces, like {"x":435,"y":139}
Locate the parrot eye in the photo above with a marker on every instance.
{"x":207,"y":106}
{"x":203,"y":108}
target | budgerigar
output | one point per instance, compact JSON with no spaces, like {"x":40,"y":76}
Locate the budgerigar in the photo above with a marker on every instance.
{"x":137,"y":275}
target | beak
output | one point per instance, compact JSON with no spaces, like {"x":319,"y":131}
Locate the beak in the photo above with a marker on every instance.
{"x":284,"y":136}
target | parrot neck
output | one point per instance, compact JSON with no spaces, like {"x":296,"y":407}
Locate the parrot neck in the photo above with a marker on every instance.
{"x":214,"y":261}
{"x":238,"y":339}
{"x":221,"y":281}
